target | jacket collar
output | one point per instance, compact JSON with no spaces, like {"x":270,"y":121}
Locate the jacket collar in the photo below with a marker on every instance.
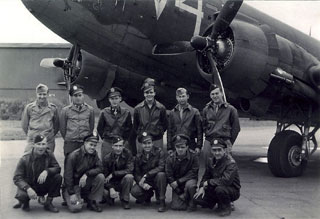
{"x":83,"y":107}
{"x":123,"y":154}
{"x":176,"y":108}
{"x":155,"y":103}
{"x":212,"y":104}
{"x":108,"y":109}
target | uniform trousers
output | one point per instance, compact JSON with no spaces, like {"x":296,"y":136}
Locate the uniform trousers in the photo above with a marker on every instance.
{"x":186,"y":190}
{"x":158,"y":184}
{"x":123,"y":186}
{"x":51,"y":187}
{"x":221,"y":195}
{"x":93,"y":190}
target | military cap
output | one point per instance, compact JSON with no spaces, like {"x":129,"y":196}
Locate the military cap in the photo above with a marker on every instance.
{"x":181,"y":91}
{"x":38,"y":138}
{"x":213,"y":87}
{"x":116,"y":139}
{"x":114,"y":91}
{"x":144,"y":137}
{"x":180,"y":139}
{"x":75,"y":89}
{"x":218,"y":142}
{"x":148,"y":84}
{"x":91,"y":137}
{"x":42,"y":88}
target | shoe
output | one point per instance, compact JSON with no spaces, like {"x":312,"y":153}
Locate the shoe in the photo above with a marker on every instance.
{"x":48,"y":206}
{"x":18,"y":205}
{"x":41,"y":200}
{"x":147,"y":202}
{"x":92,"y":206}
{"x":192,"y":207}
{"x":225,"y":211}
{"x":139,"y":202}
{"x":110,"y":201}
{"x":125,"y":204}
{"x":162,"y":207}
{"x":26,"y":206}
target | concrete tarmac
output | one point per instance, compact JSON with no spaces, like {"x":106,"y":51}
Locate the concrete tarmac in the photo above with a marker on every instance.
{"x":262,"y":194}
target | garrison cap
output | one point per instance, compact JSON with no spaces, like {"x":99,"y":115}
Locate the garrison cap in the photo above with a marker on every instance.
{"x":75,"y":89}
{"x":116,"y":139}
{"x":91,"y":137}
{"x":38,"y":138}
{"x":218,"y":143}
{"x":114,"y":91}
{"x":213,"y":87}
{"x":144,"y":137}
{"x":180,"y":139}
{"x":148,"y":84}
{"x":42,"y":88}
{"x":181,"y":91}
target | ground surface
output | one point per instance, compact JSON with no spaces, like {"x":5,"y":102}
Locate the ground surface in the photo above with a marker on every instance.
{"x":262,"y":194}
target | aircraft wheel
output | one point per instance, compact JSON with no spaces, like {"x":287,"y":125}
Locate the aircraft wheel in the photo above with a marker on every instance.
{"x":284,"y":154}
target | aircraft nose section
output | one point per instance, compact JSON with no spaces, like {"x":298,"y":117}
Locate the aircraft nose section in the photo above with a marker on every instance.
{"x":36,"y":6}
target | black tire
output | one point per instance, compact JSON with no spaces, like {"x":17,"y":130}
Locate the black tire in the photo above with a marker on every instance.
{"x":283,"y":151}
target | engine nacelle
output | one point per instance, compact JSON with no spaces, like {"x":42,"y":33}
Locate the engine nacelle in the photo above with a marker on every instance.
{"x":95,"y":75}
{"x":247,"y":72}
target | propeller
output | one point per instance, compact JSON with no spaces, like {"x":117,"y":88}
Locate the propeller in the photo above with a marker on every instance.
{"x":212,"y":46}
{"x":70,"y":65}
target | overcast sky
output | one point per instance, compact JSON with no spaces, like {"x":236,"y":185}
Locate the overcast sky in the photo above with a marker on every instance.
{"x":19,"y":26}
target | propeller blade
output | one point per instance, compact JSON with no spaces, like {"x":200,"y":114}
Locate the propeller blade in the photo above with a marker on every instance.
{"x":62,"y":83}
{"x":175,"y":48}
{"x":51,"y":62}
{"x":225,"y":17}
{"x":216,"y":74}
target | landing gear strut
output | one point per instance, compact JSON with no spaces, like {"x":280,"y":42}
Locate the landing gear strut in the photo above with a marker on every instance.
{"x":289,"y":151}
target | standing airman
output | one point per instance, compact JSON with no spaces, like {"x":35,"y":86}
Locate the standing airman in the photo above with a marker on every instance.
{"x":41,"y":117}
{"x":114,"y":121}
{"x":150,"y":116}
{"x":185,"y":119}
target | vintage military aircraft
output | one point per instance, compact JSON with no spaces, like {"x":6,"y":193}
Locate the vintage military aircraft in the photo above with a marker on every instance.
{"x":269,"y":70}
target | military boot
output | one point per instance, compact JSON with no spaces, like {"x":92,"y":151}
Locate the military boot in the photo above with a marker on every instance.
{"x":48,"y":206}
{"x":18,"y":205}
{"x":25,"y":206}
{"x":162,"y":207}
{"x":225,"y":210}
{"x":92,"y":205}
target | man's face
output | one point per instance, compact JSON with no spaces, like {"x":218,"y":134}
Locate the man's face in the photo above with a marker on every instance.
{"x":90,"y":146}
{"x":181,"y":149}
{"x":216,"y":96}
{"x":118,"y":147}
{"x":218,"y":152}
{"x":147,"y":145}
{"x":40,"y":147}
{"x":149,"y":94}
{"x":182,"y":99}
{"x":115,"y":101}
{"x":42,"y":97}
{"x":78,"y":98}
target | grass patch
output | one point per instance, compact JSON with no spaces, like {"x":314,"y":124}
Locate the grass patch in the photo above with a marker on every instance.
{"x":11,"y":130}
